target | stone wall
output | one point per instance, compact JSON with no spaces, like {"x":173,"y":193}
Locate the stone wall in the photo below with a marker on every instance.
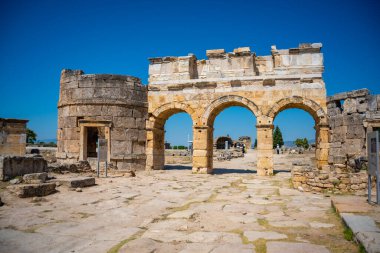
{"x":12,"y":136}
{"x":116,"y":106}
{"x":335,"y":179}
{"x":351,"y":116}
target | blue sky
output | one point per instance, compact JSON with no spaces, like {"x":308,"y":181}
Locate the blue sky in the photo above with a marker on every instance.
{"x":40,"y":38}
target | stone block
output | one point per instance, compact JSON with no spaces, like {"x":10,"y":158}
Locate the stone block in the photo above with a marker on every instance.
{"x":358,"y":93}
{"x":349,"y":106}
{"x":372,"y":103}
{"x":355,"y":132}
{"x":33,"y":190}
{"x":78,"y":182}
{"x":13,"y":166}
{"x":35,"y":178}
{"x":354,"y":119}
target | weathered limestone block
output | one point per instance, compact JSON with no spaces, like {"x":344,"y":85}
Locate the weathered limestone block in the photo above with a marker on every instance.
{"x":33,"y":190}
{"x":35,"y":178}
{"x":350,"y":106}
{"x":78,"y":182}
{"x":355,"y":132}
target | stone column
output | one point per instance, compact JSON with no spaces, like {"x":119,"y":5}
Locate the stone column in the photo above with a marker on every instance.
{"x":322,"y":142}
{"x":202,"y":149}
{"x":264,"y":149}
{"x":155,"y":149}
{"x":82,"y":143}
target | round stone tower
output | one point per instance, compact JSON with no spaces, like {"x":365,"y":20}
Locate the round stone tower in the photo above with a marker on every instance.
{"x":110,"y":107}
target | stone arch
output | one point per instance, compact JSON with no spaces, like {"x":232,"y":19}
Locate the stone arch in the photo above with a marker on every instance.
{"x":162,"y":113}
{"x":310,"y":106}
{"x":319,"y":115}
{"x":223,"y":102}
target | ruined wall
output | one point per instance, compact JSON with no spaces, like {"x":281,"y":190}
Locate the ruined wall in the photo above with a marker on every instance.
{"x":116,"y":105}
{"x":12,"y":136}
{"x":351,"y":116}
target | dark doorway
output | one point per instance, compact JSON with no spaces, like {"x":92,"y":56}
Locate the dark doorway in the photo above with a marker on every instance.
{"x":92,"y":140}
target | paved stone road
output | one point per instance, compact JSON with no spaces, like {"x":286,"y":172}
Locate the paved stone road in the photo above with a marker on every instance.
{"x":174,"y":211}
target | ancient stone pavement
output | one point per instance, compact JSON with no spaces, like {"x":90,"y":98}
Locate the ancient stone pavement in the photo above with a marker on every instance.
{"x":174,"y":211}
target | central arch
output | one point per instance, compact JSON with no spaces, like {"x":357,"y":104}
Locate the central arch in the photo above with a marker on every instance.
{"x":203,"y":133}
{"x":223,"y":102}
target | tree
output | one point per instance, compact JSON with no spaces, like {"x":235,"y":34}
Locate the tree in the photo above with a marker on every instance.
{"x":302,"y":143}
{"x":31,"y":136}
{"x":255,"y":145}
{"x":277,"y":137}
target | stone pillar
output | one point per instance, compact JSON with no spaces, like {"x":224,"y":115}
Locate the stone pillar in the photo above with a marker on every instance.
{"x":155,"y":149}
{"x":322,"y":142}
{"x":202,"y":149}
{"x":264,"y":149}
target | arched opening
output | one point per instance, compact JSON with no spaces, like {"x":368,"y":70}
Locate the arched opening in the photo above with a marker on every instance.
{"x":320,"y":123}
{"x":155,"y":145}
{"x":178,"y":141}
{"x":223,"y":142}
{"x":296,"y":128}
{"x":234,"y":135}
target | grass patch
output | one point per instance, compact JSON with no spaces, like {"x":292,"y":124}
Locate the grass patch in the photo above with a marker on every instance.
{"x":260,"y":246}
{"x":348,"y":234}
{"x":263,"y":222}
{"x":47,"y":211}
{"x":237,"y":185}
{"x":243,"y":238}
{"x":117,"y":247}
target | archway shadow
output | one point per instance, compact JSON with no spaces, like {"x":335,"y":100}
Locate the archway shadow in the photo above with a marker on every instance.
{"x":280,"y":171}
{"x":177,"y":167}
{"x":220,"y":171}
{"x":216,"y":171}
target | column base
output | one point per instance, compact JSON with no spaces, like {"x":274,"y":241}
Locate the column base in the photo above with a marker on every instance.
{"x":200,"y":170}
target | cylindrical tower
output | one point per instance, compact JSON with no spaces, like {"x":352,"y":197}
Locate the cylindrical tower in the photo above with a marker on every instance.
{"x":93,"y":107}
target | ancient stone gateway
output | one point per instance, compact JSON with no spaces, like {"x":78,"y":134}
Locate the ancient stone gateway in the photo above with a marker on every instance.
{"x":265,"y":85}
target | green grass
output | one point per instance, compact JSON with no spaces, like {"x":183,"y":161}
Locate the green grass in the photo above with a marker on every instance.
{"x":348,"y":234}
{"x":117,"y":247}
{"x":260,"y":246}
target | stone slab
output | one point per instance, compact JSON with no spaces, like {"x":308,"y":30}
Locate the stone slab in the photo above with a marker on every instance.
{"x":281,"y":247}
{"x":78,"y":182}
{"x":359,"y":223}
{"x":267,"y":235}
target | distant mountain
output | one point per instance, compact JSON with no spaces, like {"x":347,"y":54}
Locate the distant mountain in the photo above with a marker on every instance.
{"x":48,"y":140}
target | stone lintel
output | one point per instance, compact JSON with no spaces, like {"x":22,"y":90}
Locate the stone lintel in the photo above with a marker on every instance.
{"x":24,"y":121}
{"x":240,"y":51}
{"x":215,"y":53}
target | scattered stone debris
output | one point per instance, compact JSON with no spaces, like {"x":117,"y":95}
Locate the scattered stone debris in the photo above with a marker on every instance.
{"x":129,"y":173}
{"x":78,"y":189}
{"x":16,"y":180}
{"x":64,"y":168}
